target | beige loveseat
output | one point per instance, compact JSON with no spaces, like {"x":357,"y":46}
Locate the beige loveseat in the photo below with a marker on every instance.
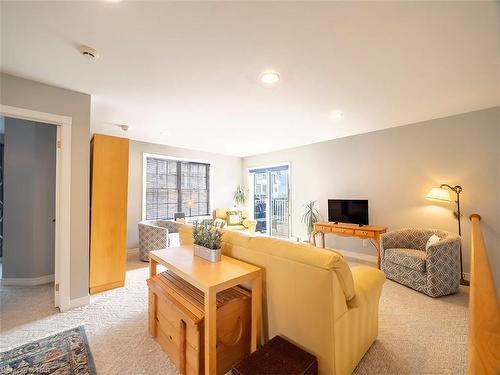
{"x":311,"y":297}
{"x":247,"y":224}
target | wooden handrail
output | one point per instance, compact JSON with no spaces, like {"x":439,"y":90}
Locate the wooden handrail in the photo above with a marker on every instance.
{"x":484,"y":313}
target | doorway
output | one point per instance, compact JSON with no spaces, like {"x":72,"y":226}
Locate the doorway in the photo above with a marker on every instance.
{"x":270,"y":199}
{"x":62,"y":200}
{"x":28,"y":204}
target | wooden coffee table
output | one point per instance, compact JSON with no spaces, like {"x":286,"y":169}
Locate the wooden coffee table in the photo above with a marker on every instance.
{"x":212,"y":278}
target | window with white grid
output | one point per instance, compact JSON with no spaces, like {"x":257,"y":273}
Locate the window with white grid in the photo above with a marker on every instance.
{"x":176,"y":186}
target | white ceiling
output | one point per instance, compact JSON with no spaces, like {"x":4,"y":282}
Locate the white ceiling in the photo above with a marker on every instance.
{"x":187,"y":73}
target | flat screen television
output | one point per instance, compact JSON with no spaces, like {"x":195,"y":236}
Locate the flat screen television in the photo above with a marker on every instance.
{"x":352,"y":211}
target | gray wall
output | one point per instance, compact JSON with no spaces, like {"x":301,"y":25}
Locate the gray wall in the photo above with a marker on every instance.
{"x":395,"y":168}
{"x":226,"y":175}
{"x":29,"y":196}
{"x":19,"y":92}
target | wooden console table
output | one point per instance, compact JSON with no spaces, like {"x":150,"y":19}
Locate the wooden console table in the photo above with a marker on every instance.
{"x":211,"y":278}
{"x":350,"y":230}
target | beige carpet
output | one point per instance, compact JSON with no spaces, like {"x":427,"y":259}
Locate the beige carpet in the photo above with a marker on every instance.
{"x":418,"y":334}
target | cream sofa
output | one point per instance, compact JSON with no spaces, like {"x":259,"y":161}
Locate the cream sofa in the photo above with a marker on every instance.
{"x":249,"y":225}
{"x":311,"y":297}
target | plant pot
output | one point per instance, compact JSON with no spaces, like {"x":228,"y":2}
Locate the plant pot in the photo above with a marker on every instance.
{"x":206,"y":253}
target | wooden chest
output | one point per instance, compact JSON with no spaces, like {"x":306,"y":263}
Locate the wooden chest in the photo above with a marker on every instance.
{"x":176,"y":322}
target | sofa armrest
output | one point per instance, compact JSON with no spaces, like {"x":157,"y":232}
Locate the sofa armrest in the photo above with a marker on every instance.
{"x":368,"y":282}
{"x":444,"y":252}
{"x":152,"y":237}
{"x":250,"y":224}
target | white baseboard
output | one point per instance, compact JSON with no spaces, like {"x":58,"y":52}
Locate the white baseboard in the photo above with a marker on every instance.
{"x":77,"y":302}
{"x":360,"y":256}
{"x":29,"y":281}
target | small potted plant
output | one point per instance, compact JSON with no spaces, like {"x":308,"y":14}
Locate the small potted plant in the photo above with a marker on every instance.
{"x":207,"y":237}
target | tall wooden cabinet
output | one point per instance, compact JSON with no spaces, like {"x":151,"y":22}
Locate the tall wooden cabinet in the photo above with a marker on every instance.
{"x":108,"y":212}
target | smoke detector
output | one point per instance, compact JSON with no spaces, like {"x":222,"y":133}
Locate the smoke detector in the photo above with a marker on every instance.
{"x":124,"y":127}
{"x":89,"y":52}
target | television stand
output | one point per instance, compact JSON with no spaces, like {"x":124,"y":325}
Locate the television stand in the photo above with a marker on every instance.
{"x":369,"y":232}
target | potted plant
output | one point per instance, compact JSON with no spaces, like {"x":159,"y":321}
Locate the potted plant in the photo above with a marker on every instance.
{"x":207,"y":237}
{"x":240,"y":196}
{"x":310,"y":216}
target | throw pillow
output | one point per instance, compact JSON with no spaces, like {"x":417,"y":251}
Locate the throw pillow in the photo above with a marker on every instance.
{"x":431,"y":241}
{"x":233,"y":218}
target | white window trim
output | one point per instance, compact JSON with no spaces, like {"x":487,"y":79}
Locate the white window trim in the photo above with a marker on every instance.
{"x":146,"y":155}
{"x":62,"y":257}
{"x":291,"y":190}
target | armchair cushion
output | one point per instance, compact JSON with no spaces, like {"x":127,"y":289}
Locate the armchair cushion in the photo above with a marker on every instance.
{"x":234,"y":218}
{"x":411,"y":258}
{"x":431,"y":241}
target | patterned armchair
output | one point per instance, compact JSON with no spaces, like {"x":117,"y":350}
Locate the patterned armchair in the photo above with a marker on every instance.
{"x":153,"y":235}
{"x":435,"y":271}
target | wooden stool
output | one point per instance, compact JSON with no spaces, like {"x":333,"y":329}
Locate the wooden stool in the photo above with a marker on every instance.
{"x":278,"y":356}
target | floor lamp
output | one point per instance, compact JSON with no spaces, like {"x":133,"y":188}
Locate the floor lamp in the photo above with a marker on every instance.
{"x":441,"y":194}
{"x":189,"y":204}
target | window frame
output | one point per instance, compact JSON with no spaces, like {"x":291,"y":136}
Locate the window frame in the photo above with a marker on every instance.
{"x":145,"y":157}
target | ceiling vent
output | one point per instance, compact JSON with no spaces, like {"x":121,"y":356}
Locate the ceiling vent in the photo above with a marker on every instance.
{"x":89,"y":52}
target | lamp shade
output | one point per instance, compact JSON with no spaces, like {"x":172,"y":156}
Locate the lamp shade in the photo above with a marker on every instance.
{"x":189,"y":204}
{"x":439,"y":194}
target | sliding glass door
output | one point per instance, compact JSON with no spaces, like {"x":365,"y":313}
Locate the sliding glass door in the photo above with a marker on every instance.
{"x":270,"y":197}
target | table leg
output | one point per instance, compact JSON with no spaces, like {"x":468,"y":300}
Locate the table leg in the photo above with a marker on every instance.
{"x":256,"y":312}
{"x":323,"y":239}
{"x":210,"y":333}
{"x":376,"y":244}
{"x":152,"y":267}
{"x":313,"y":237}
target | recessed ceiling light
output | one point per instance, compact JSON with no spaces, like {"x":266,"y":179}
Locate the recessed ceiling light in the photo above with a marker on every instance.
{"x":165,"y":133}
{"x":336,"y":115}
{"x":269,"y":77}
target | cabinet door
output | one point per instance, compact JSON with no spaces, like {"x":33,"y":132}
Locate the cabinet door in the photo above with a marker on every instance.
{"x":108,"y":216}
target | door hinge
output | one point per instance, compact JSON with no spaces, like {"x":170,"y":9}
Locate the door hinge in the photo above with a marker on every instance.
{"x":58,"y":144}
{"x":57,"y":287}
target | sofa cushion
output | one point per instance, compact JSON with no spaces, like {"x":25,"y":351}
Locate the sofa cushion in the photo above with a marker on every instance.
{"x":234,"y":218}
{"x":411,"y":258}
